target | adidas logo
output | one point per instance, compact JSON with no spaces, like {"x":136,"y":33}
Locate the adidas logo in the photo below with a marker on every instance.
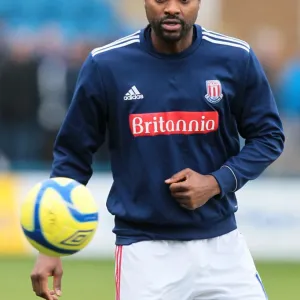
{"x":133,"y":94}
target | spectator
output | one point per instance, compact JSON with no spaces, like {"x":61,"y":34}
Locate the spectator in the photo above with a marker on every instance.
{"x":18,"y":103}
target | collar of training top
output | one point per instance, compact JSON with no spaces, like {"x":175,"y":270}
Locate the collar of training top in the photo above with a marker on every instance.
{"x":146,"y":43}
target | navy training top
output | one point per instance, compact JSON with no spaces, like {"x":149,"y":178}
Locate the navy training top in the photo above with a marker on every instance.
{"x":164,"y":113}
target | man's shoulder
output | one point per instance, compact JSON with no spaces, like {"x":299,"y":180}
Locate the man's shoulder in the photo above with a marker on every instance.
{"x":118,"y":47}
{"x":224,"y":45}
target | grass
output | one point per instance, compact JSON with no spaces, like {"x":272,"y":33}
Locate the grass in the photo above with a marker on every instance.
{"x":94,"y":279}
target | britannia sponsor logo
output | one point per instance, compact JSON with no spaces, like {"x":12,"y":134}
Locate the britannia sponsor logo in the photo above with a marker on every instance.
{"x":175,"y":122}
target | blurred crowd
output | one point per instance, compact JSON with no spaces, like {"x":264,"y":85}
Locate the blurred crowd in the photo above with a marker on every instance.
{"x":284,"y":78}
{"x":41,"y":52}
{"x":42,"y":47}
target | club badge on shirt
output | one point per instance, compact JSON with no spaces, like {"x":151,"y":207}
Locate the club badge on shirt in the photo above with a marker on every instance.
{"x":213,"y":91}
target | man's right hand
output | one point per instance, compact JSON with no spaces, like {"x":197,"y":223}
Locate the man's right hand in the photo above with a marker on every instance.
{"x":45,"y":267}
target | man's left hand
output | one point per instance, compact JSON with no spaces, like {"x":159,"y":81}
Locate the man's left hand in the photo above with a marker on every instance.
{"x":191,"y":189}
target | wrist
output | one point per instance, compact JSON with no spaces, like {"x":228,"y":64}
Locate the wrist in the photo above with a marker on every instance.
{"x":213,"y":183}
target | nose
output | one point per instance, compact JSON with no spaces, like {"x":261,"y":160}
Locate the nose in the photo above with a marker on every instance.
{"x":172,"y":8}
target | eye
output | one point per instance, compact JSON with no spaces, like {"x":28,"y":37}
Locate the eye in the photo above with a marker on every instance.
{"x":185,"y":1}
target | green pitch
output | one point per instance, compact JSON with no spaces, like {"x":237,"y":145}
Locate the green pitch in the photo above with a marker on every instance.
{"x":94,"y":280}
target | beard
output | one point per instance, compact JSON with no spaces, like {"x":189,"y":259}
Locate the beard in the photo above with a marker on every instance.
{"x":170,"y":36}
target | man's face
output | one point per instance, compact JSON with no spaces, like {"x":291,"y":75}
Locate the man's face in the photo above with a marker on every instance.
{"x":171,"y":20}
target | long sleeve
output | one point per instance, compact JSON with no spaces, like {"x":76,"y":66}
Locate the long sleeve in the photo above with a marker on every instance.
{"x":259,"y":124}
{"x":83,"y":129}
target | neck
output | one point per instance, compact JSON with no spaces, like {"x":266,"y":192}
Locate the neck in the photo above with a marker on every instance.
{"x":172,"y":47}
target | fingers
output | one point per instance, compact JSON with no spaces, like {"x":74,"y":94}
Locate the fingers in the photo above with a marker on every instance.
{"x":180,"y":191}
{"x":186,"y":203}
{"x":180,"y":176}
{"x":57,"y":276}
{"x":187,"y":207}
{"x":35,"y":283}
{"x":178,"y":188}
{"x":44,"y":290}
{"x":40,"y":286}
{"x":45,"y":267}
{"x":54,"y":295}
{"x":182,"y":197}
{"x":184,"y":200}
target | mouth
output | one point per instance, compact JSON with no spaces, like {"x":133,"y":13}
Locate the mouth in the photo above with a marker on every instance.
{"x":171,"y":25}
